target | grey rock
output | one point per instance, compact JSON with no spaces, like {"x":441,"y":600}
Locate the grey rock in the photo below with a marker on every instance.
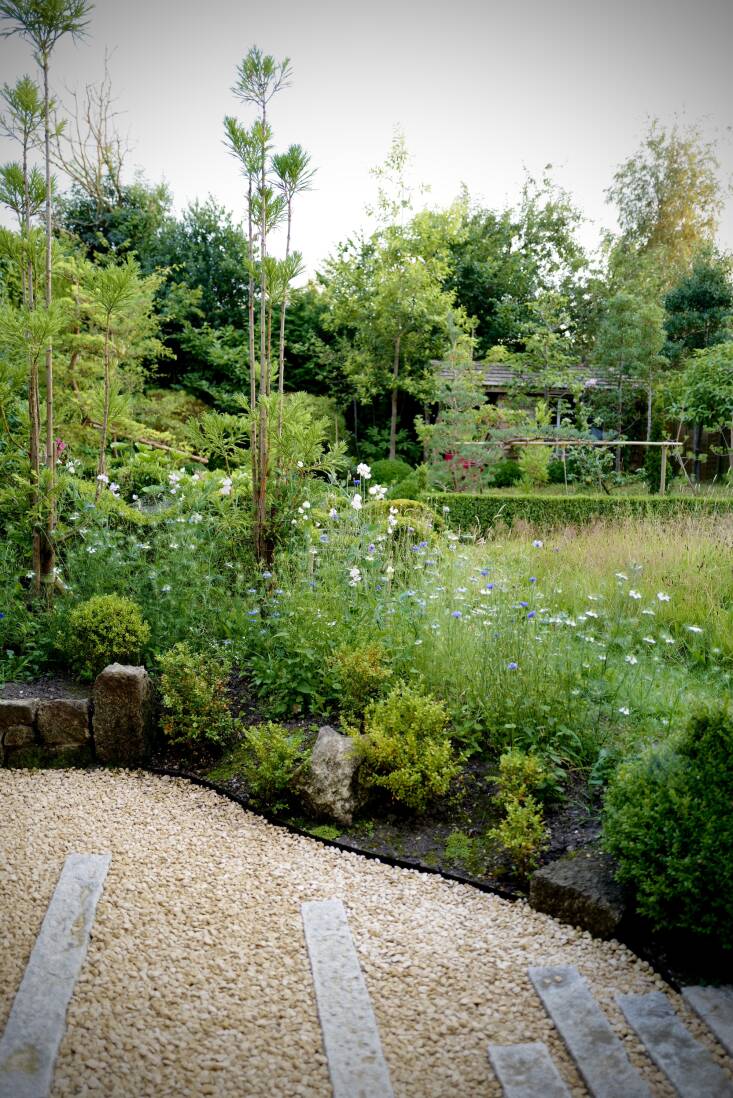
{"x":14,"y":713}
{"x":123,"y":715}
{"x":64,"y":722}
{"x":581,"y":891}
{"x":330,"y":785}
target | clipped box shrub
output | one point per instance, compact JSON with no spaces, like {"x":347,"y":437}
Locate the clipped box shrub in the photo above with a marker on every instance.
{"x":406,"y":747}
{"x":105,"y":629}
{"x":668,"y":821}
{"x":270,"y":756}
{"x":485,"y":511}
{"x":390,"y":471}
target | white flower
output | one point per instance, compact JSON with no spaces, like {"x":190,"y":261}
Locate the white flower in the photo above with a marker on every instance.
{"x":364,"y":471}
{"x":649,"y":613}
{"x":378,"y":491}
{"x":624,"y":709}
{"x":648,"y":640}
{"x":662,"y":597}
{"x":446,"y":510}
{"x":355,"y":575}
{"x":300,"y":464}
{"x":196,"y":518}
{"x":103,"y":478}
{"x":634,"y":594}
{"x":389,"y":570}
{"x":356,"y":502}
{"x":621,"y":576}
{"x":591,"y":614}
{"x":226,"y":487}
{"x":333,"y":514}
{"x":166,"y":588}
{"x":537,"y":544}
{"x":631,"y":659}
{"x":306,"y":504}
{"x":694,"y":628}
{"x":135,"y":497}
{"x":195,"y":477}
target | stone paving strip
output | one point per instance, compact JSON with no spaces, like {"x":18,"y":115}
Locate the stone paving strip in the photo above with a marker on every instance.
{"x":37,"y":1020}
{"x":689,"y":1067}
{"x":526,"y":1071}
{"x":597,"y":1051}
{"x":197,"y":979}
{"x":350,"y":1036}
{"x":715,"y":1006}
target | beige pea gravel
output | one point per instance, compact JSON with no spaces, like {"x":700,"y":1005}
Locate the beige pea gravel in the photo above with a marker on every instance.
{"x":197,"y":979}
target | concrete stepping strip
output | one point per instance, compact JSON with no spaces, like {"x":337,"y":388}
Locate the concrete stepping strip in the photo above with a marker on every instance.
{"x":526,"y":1071}
{"x":689,"y":1067}
{"x":595,"y":1048}
{"x":714,"y":1005}
{"x":350,"y":1036}
{"x":37,"y":1020}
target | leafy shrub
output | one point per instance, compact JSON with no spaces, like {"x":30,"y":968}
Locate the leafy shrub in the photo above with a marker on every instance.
{"x":406,"y":749}
{"x":505,"y":474}
{"x":194,"y":690}
{"x":105,"y":629}
{"x":410,"y":487}
{"x":271,"y":756}
{"x":390,"y":471}
{"x":520,"y":774}
{"x":362,"y":674}
{"x":522,"y":834}
{"x":534,"y":464}
{"x":484,"y":511}
{"x":668,"y":820}
{"x":413,"y":518}
{"x":556,"y":472}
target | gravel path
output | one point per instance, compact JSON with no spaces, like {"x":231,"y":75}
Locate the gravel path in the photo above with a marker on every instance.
{"x":197,"y":979}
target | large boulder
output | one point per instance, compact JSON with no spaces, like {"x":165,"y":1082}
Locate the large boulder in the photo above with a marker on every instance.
{"x":64,"y":722}
{"x":580,"y":890}
{"x":329,"y":786}
{"x":123,"y":715}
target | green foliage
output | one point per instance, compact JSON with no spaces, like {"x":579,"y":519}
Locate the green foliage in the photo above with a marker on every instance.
{"x":534,"y":465}
{"x":194,"y":694}
{"x":522,"y":834}
{"x":390,"y":471}
{"x":505,"y":474}
{"x":700,"y":308}
{"x":520,"y":774}
{"x":271,"y":755}
{"x":407,"y":749}
{"x":461,"y":850}
{"x":105,"y":629}
{"x":668,"y":820}
{"x":486,"y":511}
{"x":326,"y":831}
{"x":362,"y":674}
{"x":411,"y":487}
{"x":706,"y":394}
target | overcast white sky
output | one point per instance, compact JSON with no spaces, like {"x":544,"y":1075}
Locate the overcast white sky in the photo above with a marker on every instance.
{"x":481,"y":89}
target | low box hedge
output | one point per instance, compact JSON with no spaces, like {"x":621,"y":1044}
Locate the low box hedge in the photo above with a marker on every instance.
{"x":486,"y":510}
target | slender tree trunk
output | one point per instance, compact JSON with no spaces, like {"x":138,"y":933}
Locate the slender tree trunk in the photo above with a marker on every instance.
{"x":101,"y":464}
{"x":393,"y":417}
{"x":696,"y":433}
{"x":283,"y":308}
{"x":649,"y":398}
{"x":261,"y":510}
{"x":48,"y":552}
{"x":254,"y":455}
{"x":620,"y":409}
{"x":34,"y":411}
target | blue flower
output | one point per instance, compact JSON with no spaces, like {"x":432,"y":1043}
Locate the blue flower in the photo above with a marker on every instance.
{"x":512,"y":666}
{"x":489,"y":587}
{"x":1,"y":616}
{"x":533,"y":579}
{"x":357,"y":481}
{"x":324,"y":538}
{"x":422,"y":545}
{"x":267,"y":575}
{"x":253,"y":613}
{"x":279,"y":591}
{"x":456,"y":614}
{"x":524,"y":604}
{"x":378,"y":587}
{"x":485,"y":571}
{"x":532,"y":614}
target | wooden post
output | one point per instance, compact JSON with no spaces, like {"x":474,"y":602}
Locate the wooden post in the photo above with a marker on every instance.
{"x":663,"y":475}
{"x":564,"y":450}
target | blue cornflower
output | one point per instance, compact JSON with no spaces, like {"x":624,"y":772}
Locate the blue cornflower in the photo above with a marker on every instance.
{"x":324,"y":538}
{"x":1,"y":616}
{"x":378,"y":587}
{"x":532,"y":614}
{"x":422,"y":545}
{"x":485,"y":571}
{"x":524,"y":604}
{"x":252,"y":613}
{"x":533,"y":579}
{"x":251,"y":590}
{"x":357,"y":481}
{"x":489,"y":587}
{"x":512,"y":666}
{"x":456,"y":614}
{"x":371,"y":548}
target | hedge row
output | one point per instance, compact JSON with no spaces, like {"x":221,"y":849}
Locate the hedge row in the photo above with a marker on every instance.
{"x":485,"y":511}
